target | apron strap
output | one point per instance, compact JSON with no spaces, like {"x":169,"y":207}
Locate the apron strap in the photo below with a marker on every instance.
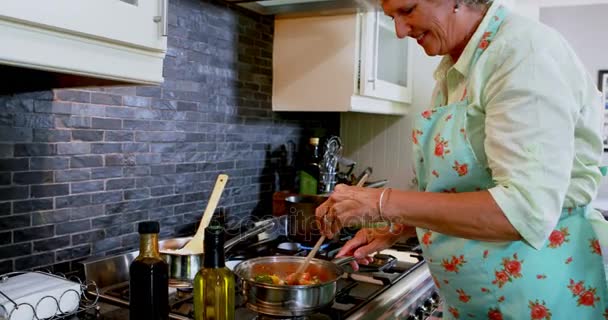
{"x":488,"y":36}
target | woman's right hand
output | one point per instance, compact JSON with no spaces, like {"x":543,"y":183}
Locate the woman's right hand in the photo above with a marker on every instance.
{"x":369,"y":240}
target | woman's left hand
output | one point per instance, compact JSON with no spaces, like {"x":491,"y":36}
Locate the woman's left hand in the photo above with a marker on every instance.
{"x":348,"y":206}
{"x":370,"y":240}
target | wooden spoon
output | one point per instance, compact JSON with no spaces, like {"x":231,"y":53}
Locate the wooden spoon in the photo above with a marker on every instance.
{"x":195,"y":246}
{"x":314,"y":250}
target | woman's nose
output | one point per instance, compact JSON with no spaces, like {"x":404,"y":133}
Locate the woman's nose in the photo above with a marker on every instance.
{"x":402,"y":29}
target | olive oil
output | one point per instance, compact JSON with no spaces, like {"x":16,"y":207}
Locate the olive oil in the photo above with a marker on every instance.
{"x":214,"y":283}
{"x":148,"y":278}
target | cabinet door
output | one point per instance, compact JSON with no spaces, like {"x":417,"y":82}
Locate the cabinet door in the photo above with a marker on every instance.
{"x":385,"y":60}
{"x":137,"y":23}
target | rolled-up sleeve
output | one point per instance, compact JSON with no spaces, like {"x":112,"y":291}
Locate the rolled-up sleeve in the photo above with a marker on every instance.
{"x":530,"y":120}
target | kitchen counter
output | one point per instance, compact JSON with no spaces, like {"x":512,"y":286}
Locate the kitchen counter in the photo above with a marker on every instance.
{"x":103,"y":311}
{"x":111,"y":312}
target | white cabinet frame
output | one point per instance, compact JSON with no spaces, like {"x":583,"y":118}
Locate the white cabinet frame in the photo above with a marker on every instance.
{"x":371,"y":85}
{"x":107,"y":39}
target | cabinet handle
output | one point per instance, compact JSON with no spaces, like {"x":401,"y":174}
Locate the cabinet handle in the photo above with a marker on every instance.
{"x":163,"y":18}
{"x":375,"y":53}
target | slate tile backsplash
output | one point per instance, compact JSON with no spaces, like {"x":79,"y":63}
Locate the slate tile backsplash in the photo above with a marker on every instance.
{"x":80,"y":167}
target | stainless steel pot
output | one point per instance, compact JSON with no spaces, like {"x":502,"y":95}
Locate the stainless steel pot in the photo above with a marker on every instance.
{"x":301,"y":221}
{"x":289,"y":300}
{"x":183,"y":267}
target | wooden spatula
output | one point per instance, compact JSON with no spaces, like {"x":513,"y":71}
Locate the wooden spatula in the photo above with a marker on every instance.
{"x":195,"y":246}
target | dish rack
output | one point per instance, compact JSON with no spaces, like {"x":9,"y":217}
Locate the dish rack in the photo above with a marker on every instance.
{"x":88,"y":296}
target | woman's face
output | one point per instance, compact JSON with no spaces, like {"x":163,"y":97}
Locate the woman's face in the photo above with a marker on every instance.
{"x":430,"y":22}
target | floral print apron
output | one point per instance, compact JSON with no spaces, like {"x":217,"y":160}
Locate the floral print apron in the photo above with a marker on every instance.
{"x":501,"y":280}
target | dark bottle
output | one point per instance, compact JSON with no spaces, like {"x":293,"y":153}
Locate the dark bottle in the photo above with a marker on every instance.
{"x":214,"y":284}
{"x":148,"y":278}
{"x":310,"y":173}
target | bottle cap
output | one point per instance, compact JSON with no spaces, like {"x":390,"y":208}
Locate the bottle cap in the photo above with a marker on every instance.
{"x":214,"y":234}
{"x":214,"y":229}
{"x":214,"y":246}
{"x":314,"y":141}
{"x":148,"y":227}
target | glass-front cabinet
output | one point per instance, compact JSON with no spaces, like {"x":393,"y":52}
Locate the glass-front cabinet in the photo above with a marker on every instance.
{"x":345,"y":63}
{"x":385,"y":60}
{"x":113,"y":39}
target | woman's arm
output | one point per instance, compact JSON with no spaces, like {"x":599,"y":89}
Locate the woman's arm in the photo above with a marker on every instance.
{"x":470,"y":215}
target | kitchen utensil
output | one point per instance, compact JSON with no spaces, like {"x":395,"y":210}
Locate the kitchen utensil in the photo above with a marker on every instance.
{"x":344,"y":177}
{"x":195,"y":245}
{"x":310,"y":255}
{"x":289,"y":300}
{"x":376,"y":184}
{"x":368,"y":171}
{"x":329,"y":163}
{"x":183,"y":267}
{"x":364,"y":178}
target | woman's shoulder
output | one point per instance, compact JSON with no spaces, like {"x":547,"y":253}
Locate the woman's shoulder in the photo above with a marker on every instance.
{"x":523,"y":33}
{"x":521,"y":38}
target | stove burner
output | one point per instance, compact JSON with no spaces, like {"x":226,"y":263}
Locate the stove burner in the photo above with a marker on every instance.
{"x":289,"y":246}
{"x":321,"y":248}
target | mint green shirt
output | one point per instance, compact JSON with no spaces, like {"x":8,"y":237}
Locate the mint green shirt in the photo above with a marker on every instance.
{"x":535,"y":117}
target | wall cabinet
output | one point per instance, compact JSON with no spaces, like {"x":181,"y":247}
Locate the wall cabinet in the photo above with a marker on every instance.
{"x":121,"y":40}
{"x":351,"y":62}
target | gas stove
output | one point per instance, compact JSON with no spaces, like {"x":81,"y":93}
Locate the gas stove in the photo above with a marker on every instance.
{"x":396,"y":285}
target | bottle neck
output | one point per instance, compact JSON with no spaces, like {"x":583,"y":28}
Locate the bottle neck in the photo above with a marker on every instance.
{"x":313,"y":156}
{"x":148,"y":245}
{"x":214,"y":254}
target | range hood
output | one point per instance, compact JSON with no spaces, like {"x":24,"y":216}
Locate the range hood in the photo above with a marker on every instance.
{"x":290,"y":8}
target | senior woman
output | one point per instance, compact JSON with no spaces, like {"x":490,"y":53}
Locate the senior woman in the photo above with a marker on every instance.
{"x":506,"y":161}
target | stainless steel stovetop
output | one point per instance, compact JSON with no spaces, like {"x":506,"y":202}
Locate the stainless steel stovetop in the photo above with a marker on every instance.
{"x":398,"y":286}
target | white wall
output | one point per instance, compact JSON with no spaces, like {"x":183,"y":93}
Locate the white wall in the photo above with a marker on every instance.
{"x":558,"y":3}
{"x":528,"y":8}
{"x":583,"y":26}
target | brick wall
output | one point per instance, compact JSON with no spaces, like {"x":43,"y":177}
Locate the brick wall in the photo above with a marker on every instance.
{"x":79,"y":168}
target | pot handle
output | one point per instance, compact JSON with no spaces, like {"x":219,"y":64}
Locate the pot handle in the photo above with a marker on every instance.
{"x":343,"y":260}
{"x":248,"y":234}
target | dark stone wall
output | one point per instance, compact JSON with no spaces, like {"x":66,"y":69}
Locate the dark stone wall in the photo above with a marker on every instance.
{"x":80,"y":167}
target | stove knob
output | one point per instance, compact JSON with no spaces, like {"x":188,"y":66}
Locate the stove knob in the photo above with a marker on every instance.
{"x":429,"y":303}
{"x":413,"y":317}
{"x":421,"y":312}
{"x":435,"y":296}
